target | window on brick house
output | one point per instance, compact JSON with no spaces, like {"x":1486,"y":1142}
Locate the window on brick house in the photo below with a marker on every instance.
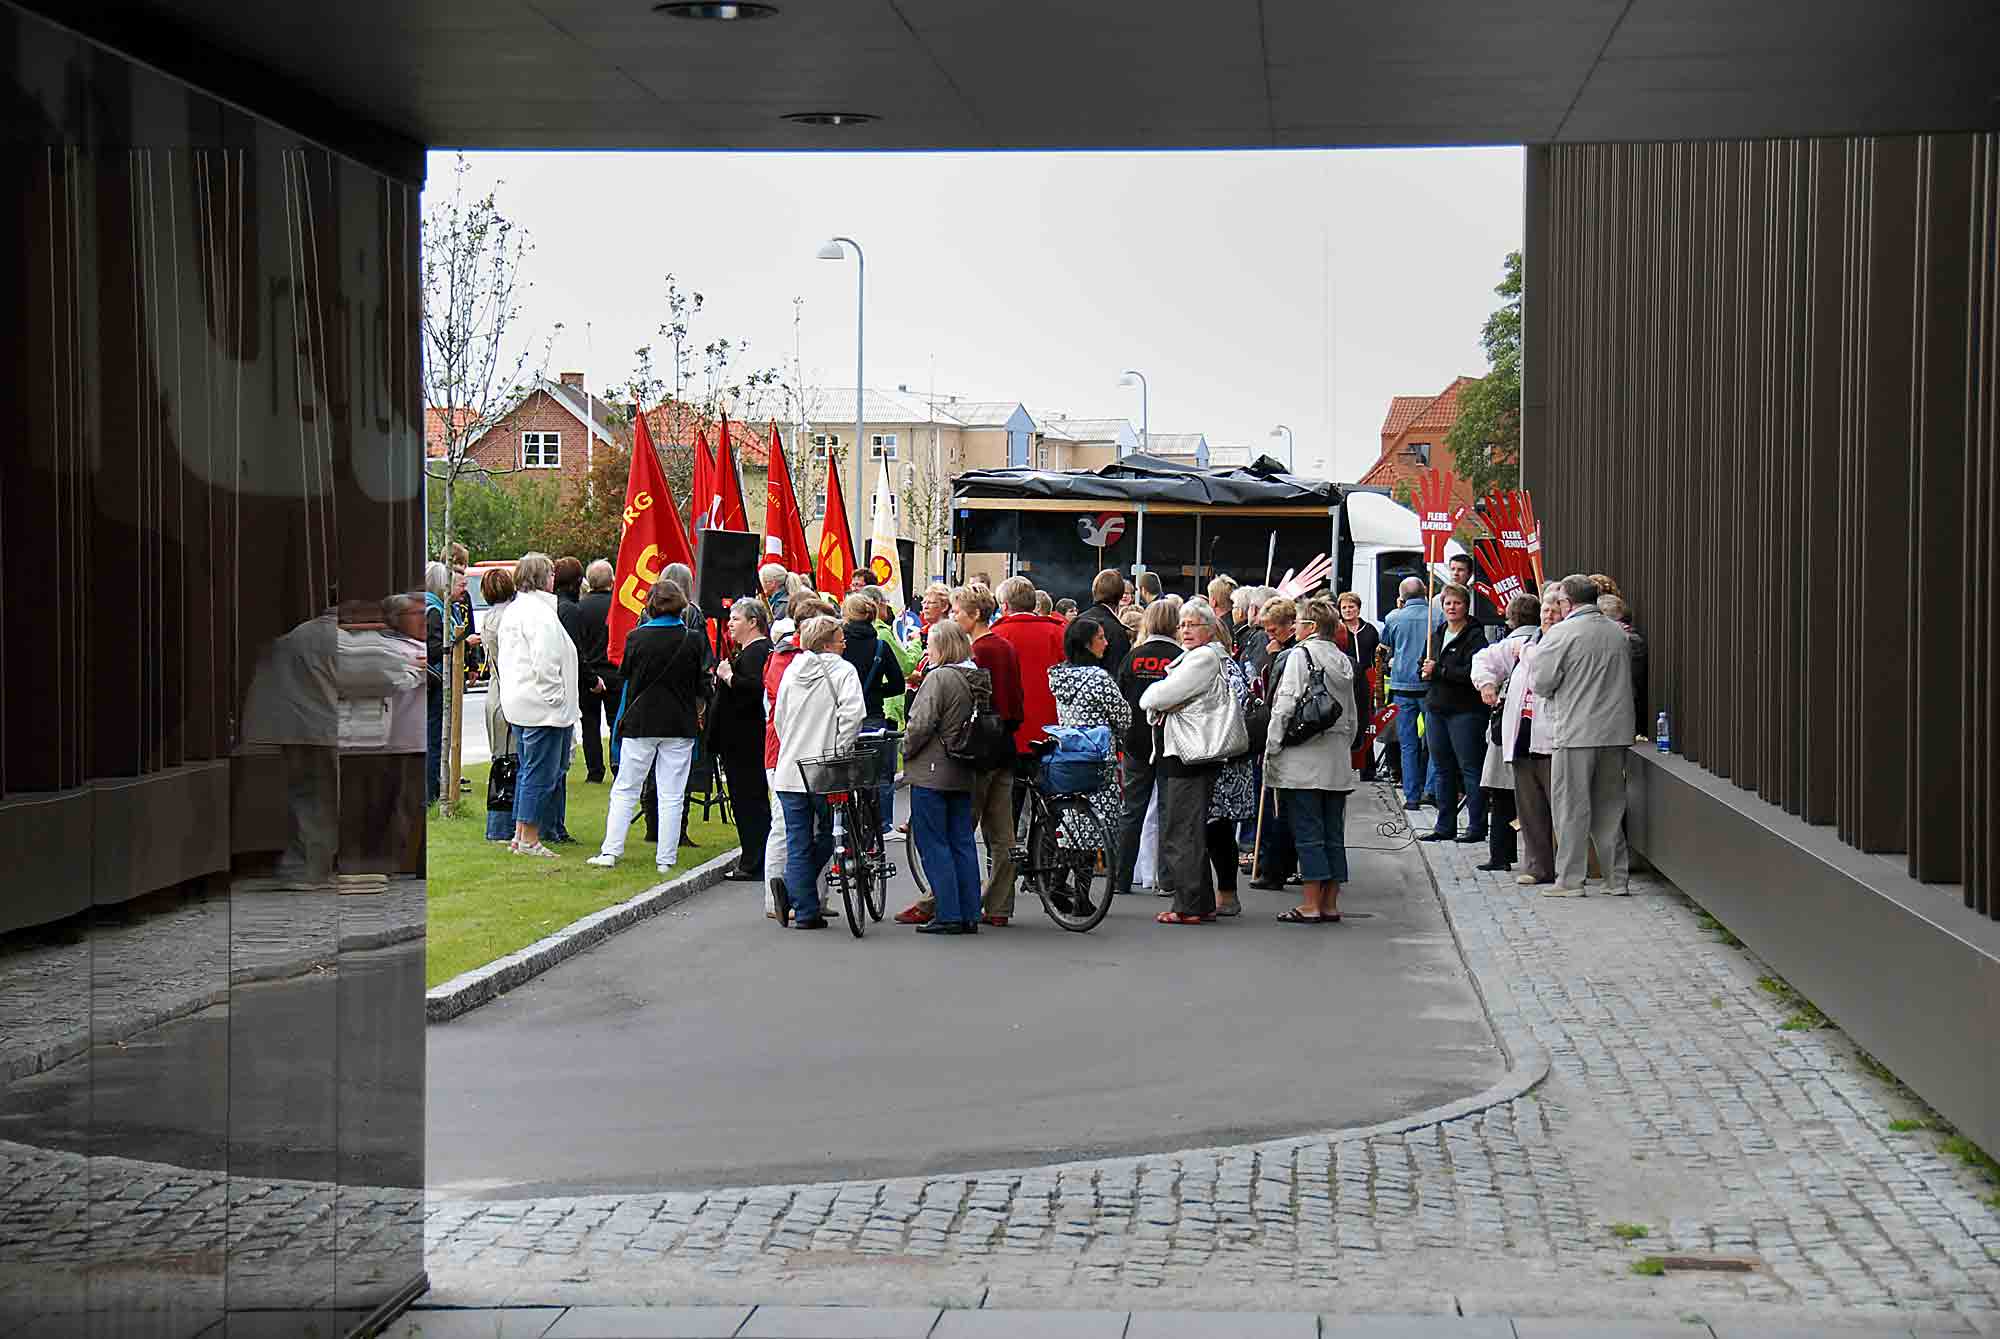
{"x":1422,"y":452}
{"x":541,"y":450}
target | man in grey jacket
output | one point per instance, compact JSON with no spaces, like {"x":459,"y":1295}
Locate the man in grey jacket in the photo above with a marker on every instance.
{"x":1582,"y":674}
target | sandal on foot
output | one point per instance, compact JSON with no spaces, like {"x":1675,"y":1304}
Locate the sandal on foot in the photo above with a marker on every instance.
{"x":1297,"y":917}
{"x":1175,"y":918}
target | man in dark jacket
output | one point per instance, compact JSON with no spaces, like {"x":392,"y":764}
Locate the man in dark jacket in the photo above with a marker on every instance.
{"x":1106,"y":592}
{"x":881,"y":677}
{"x":736,"y":732}
{"x":596,"y":677}
{"x":1144,"y":666}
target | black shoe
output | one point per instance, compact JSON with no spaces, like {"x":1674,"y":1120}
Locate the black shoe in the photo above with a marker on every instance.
{"x":781,"y":902}
{"x":1412,"y":805}
{"x":816,"y":923}
{"x":938,"y":927}
{"x":1268,"y":885}
{"x":1431,"y":800}
{"x":968,"y":927}
{"x":593,"y":781}
{"x":653,"y":836}
{"x":1472,"y":839}
{"x":1495,"y":866}
{"x":1439,"y":837}
{"x":738,"y":874}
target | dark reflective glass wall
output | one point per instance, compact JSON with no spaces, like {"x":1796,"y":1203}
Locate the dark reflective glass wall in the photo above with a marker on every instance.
{"x":211,"y":729}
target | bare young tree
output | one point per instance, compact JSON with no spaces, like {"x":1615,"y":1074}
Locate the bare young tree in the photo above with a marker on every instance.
{"x":476,"y":364}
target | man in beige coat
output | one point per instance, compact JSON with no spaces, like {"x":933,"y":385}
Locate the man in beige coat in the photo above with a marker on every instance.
{"x":1582,"y":676}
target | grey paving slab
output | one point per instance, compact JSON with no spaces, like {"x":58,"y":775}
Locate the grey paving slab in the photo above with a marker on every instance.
{"x":1217,"y":1324}
{"x":1415,"y":1327}
{"x":837,"y":1322}
{"x":514,"y":1322}
{"x":1750,"y":1329}
{"x":1535,"y":1327}
{"x":649,"y":1322}
{"x":961,"y":1324}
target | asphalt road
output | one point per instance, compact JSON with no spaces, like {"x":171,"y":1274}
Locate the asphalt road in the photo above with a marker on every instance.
{"x":710,"y":1048}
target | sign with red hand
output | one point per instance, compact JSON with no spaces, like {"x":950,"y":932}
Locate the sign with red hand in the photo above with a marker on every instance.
{"x":1437,"y":514}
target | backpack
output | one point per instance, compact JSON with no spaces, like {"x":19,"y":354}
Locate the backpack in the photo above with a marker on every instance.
{"x":983,"y":741}
{"x":1319,"y":710}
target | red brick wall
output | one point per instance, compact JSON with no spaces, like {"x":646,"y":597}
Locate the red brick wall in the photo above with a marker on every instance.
{"x":500,"y":449}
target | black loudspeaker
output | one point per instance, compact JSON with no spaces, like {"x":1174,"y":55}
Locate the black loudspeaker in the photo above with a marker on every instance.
{"x":725,"y":569}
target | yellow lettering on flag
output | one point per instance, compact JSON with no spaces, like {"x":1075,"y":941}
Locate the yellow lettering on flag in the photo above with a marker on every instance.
{"x":640,"y":584}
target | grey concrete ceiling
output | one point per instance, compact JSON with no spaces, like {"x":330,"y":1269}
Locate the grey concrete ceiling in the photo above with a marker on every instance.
{"x":1119,"y":73}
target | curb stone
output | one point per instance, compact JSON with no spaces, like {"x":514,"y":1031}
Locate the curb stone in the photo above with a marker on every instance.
{"x":482,"y":985}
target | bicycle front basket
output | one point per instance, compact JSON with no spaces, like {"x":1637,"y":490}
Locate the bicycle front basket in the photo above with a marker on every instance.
{"x":841,"y":772}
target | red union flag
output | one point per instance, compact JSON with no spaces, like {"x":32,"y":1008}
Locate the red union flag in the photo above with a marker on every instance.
{"x":1102,"y":530}
{"x":653,"y":538}
{"x":1437,"y":514}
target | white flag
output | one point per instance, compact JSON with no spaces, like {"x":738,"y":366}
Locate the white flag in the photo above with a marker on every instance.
{"x":884,"y":566}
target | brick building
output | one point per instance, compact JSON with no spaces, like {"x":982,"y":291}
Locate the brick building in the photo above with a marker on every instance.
{"x":556,"y":429}
{"x":1413,"y":434}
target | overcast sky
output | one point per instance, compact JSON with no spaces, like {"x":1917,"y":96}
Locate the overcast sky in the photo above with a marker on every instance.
{"x":1251,"y":288}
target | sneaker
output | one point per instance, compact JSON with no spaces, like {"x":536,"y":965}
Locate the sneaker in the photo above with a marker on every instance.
{"x":602,"y":861}
{"x":895,"y":835}
{"x":1563,"y":890}
{"x":1526,"y":880}
{"x":665,"y":871}
{"x":914,"y":914}
{"x":1622,"y":890}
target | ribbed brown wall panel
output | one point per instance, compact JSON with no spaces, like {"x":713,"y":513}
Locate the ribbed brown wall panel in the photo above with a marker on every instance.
{"x":1760,"y":390}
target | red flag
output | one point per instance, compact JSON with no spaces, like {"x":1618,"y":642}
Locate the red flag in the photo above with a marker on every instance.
{"x":701,"y":496}
{"x":836,"y":546}
{"x":653,"y":538}
{"x":784,"y":528}
{"x":728,"y":487}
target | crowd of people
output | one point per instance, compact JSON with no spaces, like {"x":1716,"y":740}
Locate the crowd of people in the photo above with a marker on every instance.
{"x":1239,"y":721}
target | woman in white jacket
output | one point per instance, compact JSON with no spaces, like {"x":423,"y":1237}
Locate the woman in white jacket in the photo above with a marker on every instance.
{"x":1492,"y":669}
{"x":1314,"y":776}
{"x":1198,"y":717}
{"x":537,"y":697}
{"x":1506,"y":677}
{"x":817,"y":712}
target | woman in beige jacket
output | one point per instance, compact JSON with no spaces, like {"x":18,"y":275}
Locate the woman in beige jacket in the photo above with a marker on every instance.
{"x":1313,"y":776}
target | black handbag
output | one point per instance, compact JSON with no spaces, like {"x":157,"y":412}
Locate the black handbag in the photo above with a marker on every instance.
{"x":1319,"y":710}
{"x":500,"y":781}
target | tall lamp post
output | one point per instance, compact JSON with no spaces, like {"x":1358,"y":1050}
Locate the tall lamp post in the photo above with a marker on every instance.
{"x":830,"y":250}
{"x":1291,"y":462}
{"x":1132,"y":378}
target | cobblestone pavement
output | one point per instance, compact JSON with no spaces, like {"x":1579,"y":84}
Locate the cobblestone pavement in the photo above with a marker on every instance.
{"x":1674,"y":1101}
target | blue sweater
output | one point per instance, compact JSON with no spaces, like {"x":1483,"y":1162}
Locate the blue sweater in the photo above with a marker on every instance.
{"x":1403,"y":632}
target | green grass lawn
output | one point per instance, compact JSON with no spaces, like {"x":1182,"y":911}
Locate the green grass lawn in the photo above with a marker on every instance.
{"x":485,"y":903}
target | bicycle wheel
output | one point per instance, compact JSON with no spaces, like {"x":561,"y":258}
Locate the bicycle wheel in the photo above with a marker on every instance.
{"x":913,"y":862}
{"x":874,"y":856}
{"x":847,"y":868}
{"x":1073,"y":893}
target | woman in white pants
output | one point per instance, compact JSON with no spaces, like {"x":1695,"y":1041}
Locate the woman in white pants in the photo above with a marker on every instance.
{"x":667,"y":683}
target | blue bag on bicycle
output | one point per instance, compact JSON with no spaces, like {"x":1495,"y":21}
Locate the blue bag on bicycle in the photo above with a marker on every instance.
{"x":1077,"y":764}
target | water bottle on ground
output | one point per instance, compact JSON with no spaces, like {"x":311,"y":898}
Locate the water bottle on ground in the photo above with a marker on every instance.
{"x":1663,"y":734}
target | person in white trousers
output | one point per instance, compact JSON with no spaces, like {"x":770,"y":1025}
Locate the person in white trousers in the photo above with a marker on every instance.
{"x":1582,"y":677}
{"x":667,"y":681}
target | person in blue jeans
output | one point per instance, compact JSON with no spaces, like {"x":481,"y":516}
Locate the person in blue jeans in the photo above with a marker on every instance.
{"x":1456,"y":720}
{"x":1404,"y":632}
{"x":816,"y":714}
{"x":941,"y":786}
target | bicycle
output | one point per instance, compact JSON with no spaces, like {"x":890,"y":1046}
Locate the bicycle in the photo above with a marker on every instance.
{"x":1063,"y":874}
{"x":860,"y":866}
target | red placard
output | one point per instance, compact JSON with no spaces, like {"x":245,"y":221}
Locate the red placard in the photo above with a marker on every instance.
{"x":1437,"y":514}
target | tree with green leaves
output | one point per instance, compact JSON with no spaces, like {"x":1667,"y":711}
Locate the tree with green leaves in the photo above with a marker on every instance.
{"x":1485,"y":441}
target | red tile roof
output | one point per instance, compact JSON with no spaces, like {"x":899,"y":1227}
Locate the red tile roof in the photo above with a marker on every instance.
{"x":1403,"y":409}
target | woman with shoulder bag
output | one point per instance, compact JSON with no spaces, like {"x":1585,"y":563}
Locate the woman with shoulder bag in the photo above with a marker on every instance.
{"x":498,"y":588}
{"x":666,"y":687}
{"x":1199,"y":726}
{"x":1313,"y":775}
{"x":1491,"y":670}
{"x":940,"y":784}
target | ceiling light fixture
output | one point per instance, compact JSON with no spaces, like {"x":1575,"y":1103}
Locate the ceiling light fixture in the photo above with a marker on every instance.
{"x":722,"y":11}
{"x":831,"y":118}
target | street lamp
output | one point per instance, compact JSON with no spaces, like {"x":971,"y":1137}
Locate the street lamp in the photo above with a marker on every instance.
{"x":1291,"y":465}
{"x":1132,"y":378}
{"x":830,"y":250}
